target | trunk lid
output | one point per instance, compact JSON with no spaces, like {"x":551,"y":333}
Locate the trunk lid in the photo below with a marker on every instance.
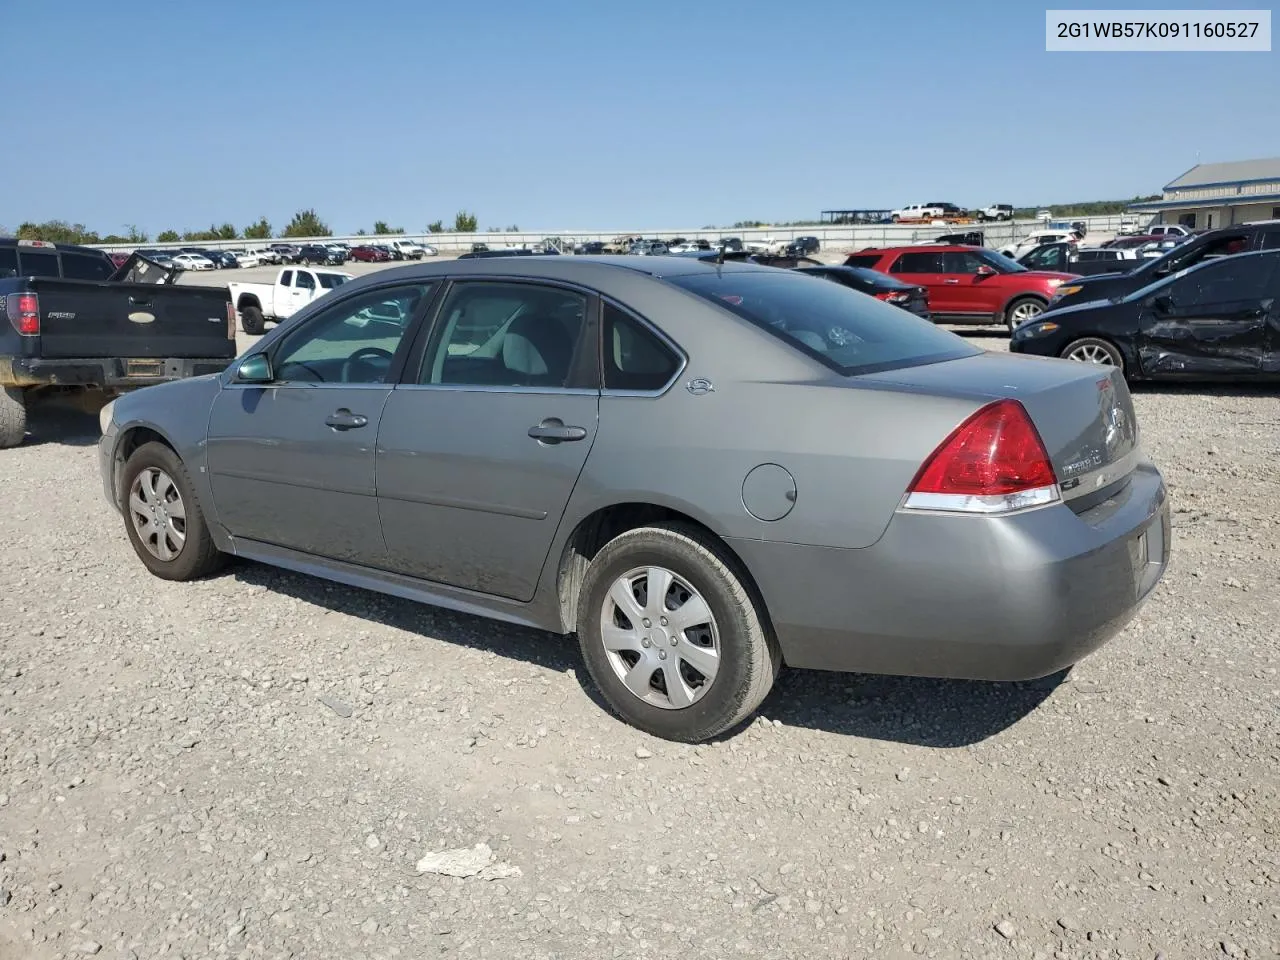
{"x":1083,"y":412}
{"x":132,"y":320}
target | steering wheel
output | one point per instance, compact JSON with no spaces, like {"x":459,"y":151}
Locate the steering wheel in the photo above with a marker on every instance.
{"x":362,"y":355}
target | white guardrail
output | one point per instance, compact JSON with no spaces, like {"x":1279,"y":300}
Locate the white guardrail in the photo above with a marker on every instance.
{"x":838,"y":235}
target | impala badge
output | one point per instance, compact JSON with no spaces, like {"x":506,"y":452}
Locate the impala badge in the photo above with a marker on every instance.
{"x":700,"y":387}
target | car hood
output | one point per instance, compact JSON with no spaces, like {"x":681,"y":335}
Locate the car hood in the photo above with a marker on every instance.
{"x":1061,"y":314}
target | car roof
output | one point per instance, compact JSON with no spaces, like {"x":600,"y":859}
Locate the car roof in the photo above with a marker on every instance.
{"x":920,"y":248}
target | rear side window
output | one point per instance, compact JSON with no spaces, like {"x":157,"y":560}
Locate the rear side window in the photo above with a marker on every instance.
{"x":37,"y":263}
{"x":918,"y":263}
{"x":85,"y":266}
{"x":305,"y":282}
{"x":634,"y":358}
{"x":8,"y":262}
{"x":847,"y":331}
{"x":868,"y":260}
{"x":1270,"y":241}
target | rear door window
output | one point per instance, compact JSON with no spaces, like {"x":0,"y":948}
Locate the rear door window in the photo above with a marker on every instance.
{"x":85,"y":266}
{"x":918,"y":263}
{"x":845,"y":330}
{"x":38,"y":263}
{"x":1232,"y":280}
{"x":305,"y":281}
{"x":8,"y":262}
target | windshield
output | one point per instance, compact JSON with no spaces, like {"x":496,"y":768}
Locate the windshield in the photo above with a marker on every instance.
{"x":331,"y":280}
{"x":1000,"y":261}
{"x":848,"y":331}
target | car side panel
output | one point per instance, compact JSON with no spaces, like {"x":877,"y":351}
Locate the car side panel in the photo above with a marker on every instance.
{"x":851,"y":451}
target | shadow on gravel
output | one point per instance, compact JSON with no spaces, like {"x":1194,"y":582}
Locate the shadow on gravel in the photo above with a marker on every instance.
{"x":1175,"y":388}
{"x":913,"y":710}
{"x":64,"y":422}
{"x":931,"y":713}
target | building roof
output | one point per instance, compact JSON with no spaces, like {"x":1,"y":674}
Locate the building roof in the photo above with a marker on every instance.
{"x":1234,"y":171}
{"x":1244,"y":200}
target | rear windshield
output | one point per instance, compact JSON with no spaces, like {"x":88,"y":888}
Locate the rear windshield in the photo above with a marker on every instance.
{"x":848,"y":331}
{"x":862,"y":260}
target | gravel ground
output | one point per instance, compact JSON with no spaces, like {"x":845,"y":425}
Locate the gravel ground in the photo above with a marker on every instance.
{"x":255,"y":765}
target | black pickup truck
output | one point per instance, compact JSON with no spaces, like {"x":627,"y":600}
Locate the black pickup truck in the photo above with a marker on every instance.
{"x":71,"y":321}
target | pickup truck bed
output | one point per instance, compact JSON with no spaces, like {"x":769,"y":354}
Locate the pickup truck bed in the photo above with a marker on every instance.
{"x":58,"y":335}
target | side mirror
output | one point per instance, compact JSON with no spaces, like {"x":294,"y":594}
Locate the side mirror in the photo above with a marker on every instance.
{"x":254,"y":369}
{"x":986,"y":271}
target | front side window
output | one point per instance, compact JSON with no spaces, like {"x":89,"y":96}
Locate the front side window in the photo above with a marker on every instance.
{"x":1233,"y":280}
{"x":286,"y":279}
{"x":960,"y":261}
{"x":634,"y":358}
{"x":353,"y":341}
{"x":506,"y":334}
{"x":847,"y":331}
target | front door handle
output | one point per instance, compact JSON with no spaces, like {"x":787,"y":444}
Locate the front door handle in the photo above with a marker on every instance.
{"x":553,"y":430}
{"x":344,"y":419}
{"x":950,"y":281}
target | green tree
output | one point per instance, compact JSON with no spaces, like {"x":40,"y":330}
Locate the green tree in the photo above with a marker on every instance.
{"x":116,"y":238}
{"x":436,"y":226}
{"x":258,"y":231}
{"x":135,"y":235}
{"x":362,"y":232}
{"x":514,"y":228}
{"x":57,"y":231}
{"x":167,"y":236}
{"x":465,"y":222}
{"x":381,"y":228}
{"x":307,"y":223}
{"x":228,"y":232}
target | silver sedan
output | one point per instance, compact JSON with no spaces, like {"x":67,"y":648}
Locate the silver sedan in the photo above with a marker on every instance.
{"x":705,"y":471}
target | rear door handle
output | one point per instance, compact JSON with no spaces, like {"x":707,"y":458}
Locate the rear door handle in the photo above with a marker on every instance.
{"x":950,"y":281}
{"x":553,"y":430}
{"x":140,"y":301}
{"x":344,"y":419}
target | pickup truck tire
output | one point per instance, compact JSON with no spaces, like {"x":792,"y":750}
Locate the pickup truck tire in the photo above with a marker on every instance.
{"x":13,"y":417}
{"x":163,"y":517}
{"x":252,"y":320}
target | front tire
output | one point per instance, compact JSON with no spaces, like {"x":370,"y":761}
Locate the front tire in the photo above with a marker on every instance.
{"x":1023,"y":310}
{"x":13,"y":417}
{"x":672,"y":635}
{"x":163,"y":518}
{"x":1094,"y":350}
{"x":252,"y":321}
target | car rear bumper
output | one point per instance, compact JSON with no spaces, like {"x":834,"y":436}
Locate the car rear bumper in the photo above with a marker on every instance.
{"x":107,"y":371}
{"x":1014,"y":598}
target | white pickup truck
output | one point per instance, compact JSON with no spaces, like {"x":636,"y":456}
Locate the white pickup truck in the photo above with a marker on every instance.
{"x":294,"y":288}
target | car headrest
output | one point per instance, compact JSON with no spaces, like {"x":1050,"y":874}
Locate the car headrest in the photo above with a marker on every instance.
{"x":538,"y":347}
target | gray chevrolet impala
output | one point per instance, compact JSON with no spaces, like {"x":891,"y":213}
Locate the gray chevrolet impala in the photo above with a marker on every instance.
{"x":703,"y":470}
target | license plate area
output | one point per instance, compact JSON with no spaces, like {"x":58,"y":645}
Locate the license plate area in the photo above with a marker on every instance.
{"x":143,"y":368}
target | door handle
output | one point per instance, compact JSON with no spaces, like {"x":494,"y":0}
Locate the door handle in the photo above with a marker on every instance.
{"x":950,"y":281}
{"x":344,"y":419}
{"x":138,"y":301}
{"x":553,"y":430}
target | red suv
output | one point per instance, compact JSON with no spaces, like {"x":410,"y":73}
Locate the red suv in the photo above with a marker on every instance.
{"x":369,"y":254}
{"x":967,"y":284}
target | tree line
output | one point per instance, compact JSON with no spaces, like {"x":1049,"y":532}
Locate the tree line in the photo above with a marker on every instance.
{"x":305,"y":223}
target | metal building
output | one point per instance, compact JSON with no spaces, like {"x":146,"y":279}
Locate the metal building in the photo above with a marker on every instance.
{"x":1213,"y":195}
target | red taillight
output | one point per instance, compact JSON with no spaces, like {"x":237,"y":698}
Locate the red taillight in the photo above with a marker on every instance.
{"x":992,"y":463}
{"x":24,"y":313}
{"x":894,"y":296}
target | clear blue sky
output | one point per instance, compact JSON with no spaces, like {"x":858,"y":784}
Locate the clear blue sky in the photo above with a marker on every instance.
{"x":575,"y":115}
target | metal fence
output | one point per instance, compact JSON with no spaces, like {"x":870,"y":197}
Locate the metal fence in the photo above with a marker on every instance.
{"x":997,"y":234}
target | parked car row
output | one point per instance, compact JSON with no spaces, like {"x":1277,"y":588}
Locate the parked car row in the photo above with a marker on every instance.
{"x":334,"y":253}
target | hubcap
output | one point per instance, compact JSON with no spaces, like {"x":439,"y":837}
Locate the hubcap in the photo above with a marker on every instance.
{"x":158,"y":514}
{"x":660,"y":637}
{"x":1091,"y":353}
{"x":1026,"y":311}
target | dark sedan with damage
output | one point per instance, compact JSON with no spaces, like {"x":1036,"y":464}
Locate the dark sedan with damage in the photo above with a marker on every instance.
{"x":1219,"y":319}
{"x":703,"y":470}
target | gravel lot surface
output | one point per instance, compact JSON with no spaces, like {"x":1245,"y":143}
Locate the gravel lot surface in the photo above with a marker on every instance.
{"x":256,"y":765}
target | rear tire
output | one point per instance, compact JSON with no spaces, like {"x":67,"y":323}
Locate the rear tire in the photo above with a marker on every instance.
{"x":13,"y":417}
{"x":733,"y":641}
{"x":172,"y":540}
{"x":1094,"y":350}
{"x":252,"y":321}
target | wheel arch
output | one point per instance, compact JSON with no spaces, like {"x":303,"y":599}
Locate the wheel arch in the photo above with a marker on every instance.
{"x":130,"y":438}
{"x":1127,"y":351}
{"x":248,"y":300}
{"x":603,"y":524}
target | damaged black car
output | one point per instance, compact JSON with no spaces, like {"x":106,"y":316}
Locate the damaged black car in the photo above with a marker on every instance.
{"x":1217,"y":320}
